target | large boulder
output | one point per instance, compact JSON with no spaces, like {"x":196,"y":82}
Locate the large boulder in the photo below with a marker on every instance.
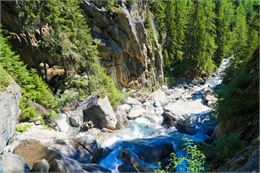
{"x":11,"y":163}
{"x":66,"y":165}
{"x":33,"y":151}
{"x":100,"y":112}
{"x":10,"y":111}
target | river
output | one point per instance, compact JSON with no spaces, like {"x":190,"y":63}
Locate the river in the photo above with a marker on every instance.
{"x":143,"y":144}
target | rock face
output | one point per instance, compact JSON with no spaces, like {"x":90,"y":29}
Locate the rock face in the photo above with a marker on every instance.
{"x":10,"y":111}
{"x":100,"y":112}
{"x":124,"y":44}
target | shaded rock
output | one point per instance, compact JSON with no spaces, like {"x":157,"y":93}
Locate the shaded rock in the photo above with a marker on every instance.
{"x":10,"y":111}
{"x":151,"y":150}
{"x":11,"y":163}
{"x":252,"y":163}
{"x":94,"y":168}
{"x":66,"y":165}
{"x":135,"y":112}
{"x":100,"y":112}
{"x":131,"y":158}
{"x":41,"y":166}
{"x":159,"y":96}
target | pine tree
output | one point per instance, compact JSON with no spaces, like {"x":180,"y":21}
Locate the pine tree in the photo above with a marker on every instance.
{"x":224,"y":17}
{"x":240,"y":32}
{"x":200,"y":43}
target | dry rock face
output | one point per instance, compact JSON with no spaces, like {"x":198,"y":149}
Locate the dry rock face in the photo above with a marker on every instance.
{"x":10,"y":111}
{"x":124,"y":43}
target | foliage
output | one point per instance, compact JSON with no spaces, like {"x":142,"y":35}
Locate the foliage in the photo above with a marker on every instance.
{"x":4,"y":79}
{"x":226,"y":146}
{"x":194,"y":158}
{"x":33,"y":87}
{"x":70,"y":42}
{"x":224,"y":20}
{"x":22,"y":127}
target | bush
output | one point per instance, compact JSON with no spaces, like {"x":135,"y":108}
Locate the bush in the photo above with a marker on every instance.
{"x":22,"y":127}
{"x":104,"y":85}
{"x":4,"y":79}
{"x":195,"y":159}
{"x":33,"y":88}
{"x":226,"y":146}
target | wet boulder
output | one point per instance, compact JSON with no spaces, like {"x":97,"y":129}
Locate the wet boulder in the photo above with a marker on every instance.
{"x":100,"y":112}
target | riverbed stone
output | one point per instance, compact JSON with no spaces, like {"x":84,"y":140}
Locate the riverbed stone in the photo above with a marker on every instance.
{"x":159,"y":96}
{"x":135,"y":112}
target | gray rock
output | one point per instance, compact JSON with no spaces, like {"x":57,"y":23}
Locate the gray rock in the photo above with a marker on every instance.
{"x":11,"y":163}
{"x":100,"y":112}
{"x":135,"y":112}
{"x":159,"y":96}
{"x":10,"y":111}
{"x":41,"y":166}
{"x":63,"y":124}
{"x":132,"y":101}
{"x":76,"y":118}
{"x":121,"y":115}
{"x":88,"y":142}
{"x":93,"y":131}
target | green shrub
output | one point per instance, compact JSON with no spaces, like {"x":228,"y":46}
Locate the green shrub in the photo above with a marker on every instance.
{"x":226,"y":146}
{"x":22,"y":127}
{"x":233,"y":95}
{"x":32,"y":86}
{"x":194,"y":157}
{"x":104,"y":85}
{"x":4,"y":79}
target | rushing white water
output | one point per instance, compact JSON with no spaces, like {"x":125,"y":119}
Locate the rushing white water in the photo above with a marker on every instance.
{"x":194,"y":110}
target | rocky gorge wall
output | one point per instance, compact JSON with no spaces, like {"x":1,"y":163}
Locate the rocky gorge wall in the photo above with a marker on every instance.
{"x":124,"y":45}
{"x":10,"y":111}
{"x":126,"y":50}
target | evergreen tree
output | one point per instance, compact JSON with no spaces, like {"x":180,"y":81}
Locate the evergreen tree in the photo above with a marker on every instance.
{"x":224,"y":17}
{"x":200,"y":43}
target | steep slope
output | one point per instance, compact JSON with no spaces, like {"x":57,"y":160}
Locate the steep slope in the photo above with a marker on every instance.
{"x":123,"y":41}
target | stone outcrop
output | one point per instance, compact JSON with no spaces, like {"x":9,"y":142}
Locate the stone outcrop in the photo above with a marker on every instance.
{"x":124,"y":44}
{"x":10,"y":111}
